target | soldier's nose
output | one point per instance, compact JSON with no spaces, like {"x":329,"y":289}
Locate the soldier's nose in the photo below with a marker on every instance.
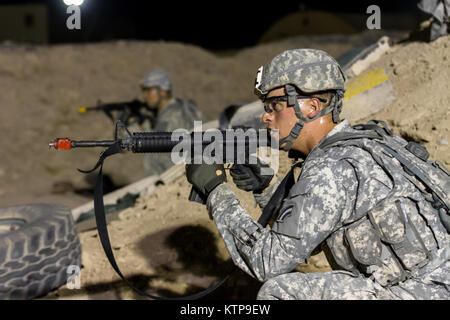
{"x":266,"y":117}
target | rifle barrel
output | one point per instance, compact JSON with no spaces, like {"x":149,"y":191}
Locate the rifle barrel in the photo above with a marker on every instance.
{"x":89,"y":144}
{"x":67,"y":144}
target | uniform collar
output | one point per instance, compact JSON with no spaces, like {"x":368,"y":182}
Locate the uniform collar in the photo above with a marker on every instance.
{"x":170,"y":102}
{"x":341,"y":127}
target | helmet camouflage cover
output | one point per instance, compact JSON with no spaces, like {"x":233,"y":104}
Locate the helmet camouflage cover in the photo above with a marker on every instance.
{"x":157,"y":78}
{"x":310,"y":70}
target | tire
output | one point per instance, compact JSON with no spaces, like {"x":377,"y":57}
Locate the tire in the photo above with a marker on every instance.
{"x":37,"y":244}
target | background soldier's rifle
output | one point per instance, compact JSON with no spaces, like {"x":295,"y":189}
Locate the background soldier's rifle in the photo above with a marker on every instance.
{"x":128,"y":112}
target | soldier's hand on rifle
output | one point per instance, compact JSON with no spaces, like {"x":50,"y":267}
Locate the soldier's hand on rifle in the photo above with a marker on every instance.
{"x":252,"y":177}
{"x":205,"y":177}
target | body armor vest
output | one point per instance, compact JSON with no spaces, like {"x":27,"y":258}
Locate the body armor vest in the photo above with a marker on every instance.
{"x":404,"y":235}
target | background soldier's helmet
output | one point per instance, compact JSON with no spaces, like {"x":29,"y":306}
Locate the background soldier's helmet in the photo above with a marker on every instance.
{"x":310,"y":70}
{"x":157,"y":78}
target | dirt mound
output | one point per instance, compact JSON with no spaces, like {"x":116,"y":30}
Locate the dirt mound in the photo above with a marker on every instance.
{"x":420,"y":75}
{"x":307,"y":23}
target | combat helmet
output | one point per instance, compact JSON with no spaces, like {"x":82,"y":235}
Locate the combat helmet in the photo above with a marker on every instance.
{"x":309,"y":71}
{"x":157,"y":78}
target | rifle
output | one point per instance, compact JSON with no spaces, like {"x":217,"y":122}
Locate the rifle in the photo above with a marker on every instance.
{"x":140,"y":142}
{"x":160,"y":142}
{"x":125,"y":111}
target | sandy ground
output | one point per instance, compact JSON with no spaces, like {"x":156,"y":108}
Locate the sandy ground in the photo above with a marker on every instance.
{"x":166,"y":244}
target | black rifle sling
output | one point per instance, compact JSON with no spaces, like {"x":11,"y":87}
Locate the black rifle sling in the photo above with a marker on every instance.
{"x":102,"y":228}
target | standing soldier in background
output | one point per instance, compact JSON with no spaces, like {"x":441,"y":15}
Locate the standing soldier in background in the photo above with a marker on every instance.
{"x":387,"y":235}
{"x":172,"y":113}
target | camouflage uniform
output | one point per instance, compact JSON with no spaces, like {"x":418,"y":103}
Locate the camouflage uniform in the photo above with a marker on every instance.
{"x":338,"y":201}
{"x":176,"y":114}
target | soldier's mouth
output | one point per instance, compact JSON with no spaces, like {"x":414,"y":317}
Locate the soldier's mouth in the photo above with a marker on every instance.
{"x":273,"y":132}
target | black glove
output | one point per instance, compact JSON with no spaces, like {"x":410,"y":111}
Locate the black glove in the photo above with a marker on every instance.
{"x":205,"y":177}
{"x":248,"y":176}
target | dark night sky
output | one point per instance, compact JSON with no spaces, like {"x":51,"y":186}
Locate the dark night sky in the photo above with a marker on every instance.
{"x":215,"y":24}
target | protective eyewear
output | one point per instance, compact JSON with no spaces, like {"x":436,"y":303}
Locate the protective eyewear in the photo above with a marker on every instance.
{"x":273,"y":103}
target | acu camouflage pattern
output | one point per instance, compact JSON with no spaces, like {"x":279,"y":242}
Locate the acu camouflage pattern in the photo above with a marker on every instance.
{"x":157,"y":78}
{"x":177,"y":114}
{"x":378,"y":228}
{"x":310,"y":70}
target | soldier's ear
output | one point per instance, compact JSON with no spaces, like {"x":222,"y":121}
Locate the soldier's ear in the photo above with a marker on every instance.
{"x":313,"y":108}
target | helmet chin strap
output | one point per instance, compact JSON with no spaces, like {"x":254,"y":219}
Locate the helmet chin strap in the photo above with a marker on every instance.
{"x":295,"y":132}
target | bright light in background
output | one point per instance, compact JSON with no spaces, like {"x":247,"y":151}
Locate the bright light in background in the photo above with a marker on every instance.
{"x":73,"y":2}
